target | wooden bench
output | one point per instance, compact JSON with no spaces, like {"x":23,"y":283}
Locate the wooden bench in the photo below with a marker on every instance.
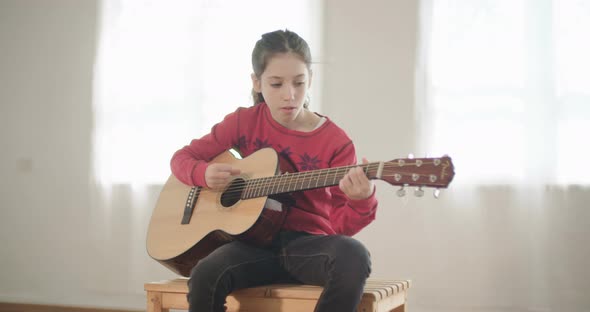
{"x":379,"y":296}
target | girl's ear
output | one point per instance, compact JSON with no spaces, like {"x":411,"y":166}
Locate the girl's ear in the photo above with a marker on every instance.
{"x":256,"y":84}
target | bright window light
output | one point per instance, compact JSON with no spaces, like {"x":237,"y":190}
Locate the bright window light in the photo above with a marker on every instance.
{"x":166,"y":71}
{"x":507,"y":89}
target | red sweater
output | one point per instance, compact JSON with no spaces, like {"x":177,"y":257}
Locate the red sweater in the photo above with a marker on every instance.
{"x":319,"y":211}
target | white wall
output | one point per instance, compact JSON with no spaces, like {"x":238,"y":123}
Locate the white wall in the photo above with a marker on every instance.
{"x":46,"y":58}
{"x":484,"y":249}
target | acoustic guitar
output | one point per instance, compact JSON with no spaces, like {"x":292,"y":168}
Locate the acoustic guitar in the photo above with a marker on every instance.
{"x":189,"y":222}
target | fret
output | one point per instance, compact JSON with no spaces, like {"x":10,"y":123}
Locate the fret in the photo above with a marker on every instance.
{"x":273,"y":185}
{"x":291,"y":182}
{"x":277,"y":185}
{"x":293,"y":185}
{"x":252,"y":188}
{"x":257,"y":189}
{"x":318,"y":176}
{"x":246,"y":190}
{"x":268,"y":184}
{"x":303,"y":180}
{"x":260,"y":188}
{"x":284,"y":182}
{"x":297,"y":180}
{"x":264,"y":188}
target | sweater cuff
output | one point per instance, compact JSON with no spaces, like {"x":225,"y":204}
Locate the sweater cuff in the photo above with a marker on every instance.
{"x":198,"y":174}
{"x":364,"y":206}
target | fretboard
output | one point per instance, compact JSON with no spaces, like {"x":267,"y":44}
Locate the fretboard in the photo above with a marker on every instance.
{"x":300,"y":181}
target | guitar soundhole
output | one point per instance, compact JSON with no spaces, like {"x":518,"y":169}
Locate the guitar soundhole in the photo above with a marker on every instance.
{"x":233,"y":193}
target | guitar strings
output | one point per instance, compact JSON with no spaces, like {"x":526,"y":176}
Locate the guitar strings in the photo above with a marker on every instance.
{"x":255,"y":186}
{"x":235,"y":192}
{"x":312,"y":175}
{"x":267,"y":184}
{"x":294,"y":179}
{"x":259,"y":184}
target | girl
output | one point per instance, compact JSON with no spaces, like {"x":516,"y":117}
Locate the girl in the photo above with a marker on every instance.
{"x":314,"y":245}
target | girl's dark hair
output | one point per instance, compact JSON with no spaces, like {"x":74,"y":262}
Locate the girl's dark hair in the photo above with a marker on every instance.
{"x":279,"y":41}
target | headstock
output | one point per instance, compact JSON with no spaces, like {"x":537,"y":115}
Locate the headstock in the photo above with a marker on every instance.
{"x":422,"y":172}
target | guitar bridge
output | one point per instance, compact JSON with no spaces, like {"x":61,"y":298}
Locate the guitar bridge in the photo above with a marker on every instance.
{"x":189,"y":206}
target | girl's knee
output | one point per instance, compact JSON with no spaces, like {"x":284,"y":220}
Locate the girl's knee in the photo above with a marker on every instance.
{"x":206,"y":276}
{"x":353,"y":255}
{"x":350,"y":247}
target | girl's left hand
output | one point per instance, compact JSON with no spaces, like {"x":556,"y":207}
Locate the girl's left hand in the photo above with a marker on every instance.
{"x":355,"y":183}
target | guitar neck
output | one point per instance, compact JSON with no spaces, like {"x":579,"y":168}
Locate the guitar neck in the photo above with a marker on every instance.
{"x":306,"y":180}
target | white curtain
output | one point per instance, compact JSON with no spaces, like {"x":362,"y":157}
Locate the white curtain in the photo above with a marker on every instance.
{"x":503,"y":86}
{"x":166,"y":71}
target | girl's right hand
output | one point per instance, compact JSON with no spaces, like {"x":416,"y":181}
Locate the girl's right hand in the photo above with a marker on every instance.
{"x":217,"y":176}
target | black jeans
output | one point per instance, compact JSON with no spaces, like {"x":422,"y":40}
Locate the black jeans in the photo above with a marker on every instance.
{"x":338,"y":263}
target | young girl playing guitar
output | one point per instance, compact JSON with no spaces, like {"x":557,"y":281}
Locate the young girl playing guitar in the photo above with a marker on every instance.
{"x":314,"y":245}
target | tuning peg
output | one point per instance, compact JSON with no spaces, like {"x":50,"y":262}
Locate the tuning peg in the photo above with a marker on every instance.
{"x":436,"y":193}
{"x":419,"y":192}
{"x":401,"y":192}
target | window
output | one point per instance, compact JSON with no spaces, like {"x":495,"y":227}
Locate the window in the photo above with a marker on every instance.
{"x":166,"y":71}
{"x":506,"y":89}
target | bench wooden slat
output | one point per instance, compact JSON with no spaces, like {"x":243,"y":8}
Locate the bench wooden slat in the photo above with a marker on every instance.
{"x":179,"y":285}
{"x":379,"y":295}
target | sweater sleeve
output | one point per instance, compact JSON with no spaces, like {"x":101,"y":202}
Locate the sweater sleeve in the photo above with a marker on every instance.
{"x":349,"y":216}
{"x":189,"y":163}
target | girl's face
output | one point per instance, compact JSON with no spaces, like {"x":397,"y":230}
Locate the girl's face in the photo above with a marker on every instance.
{"x":284,"y":85}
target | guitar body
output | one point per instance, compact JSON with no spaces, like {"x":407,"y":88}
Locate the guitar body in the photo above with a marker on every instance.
{"x":212,"y":222}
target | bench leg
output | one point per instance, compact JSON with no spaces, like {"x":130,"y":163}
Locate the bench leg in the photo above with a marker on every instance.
{"x":154,"y":302}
